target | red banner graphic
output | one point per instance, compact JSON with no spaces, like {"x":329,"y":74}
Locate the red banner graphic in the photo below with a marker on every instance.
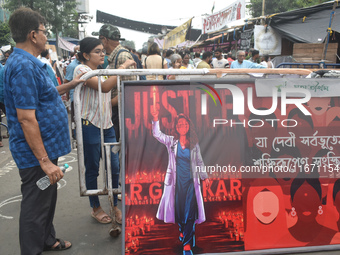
{"x":219,"y":181}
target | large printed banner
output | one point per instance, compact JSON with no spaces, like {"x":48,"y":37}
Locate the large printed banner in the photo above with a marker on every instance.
{"x":219,"y":20}
{"x":219,"y":166}
{"x":177,"y":35}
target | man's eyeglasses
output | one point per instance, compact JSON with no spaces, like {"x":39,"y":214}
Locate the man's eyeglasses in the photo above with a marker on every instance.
{"x":45,"y":32}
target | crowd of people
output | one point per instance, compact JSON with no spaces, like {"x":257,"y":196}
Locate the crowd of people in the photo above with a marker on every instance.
{"x":38,"y":120}
{"x":185,"y":59}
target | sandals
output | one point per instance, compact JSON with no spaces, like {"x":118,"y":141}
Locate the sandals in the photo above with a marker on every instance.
{"x":104,"y":219}
{"x":60,"y":247}
{"x":118,"y":214}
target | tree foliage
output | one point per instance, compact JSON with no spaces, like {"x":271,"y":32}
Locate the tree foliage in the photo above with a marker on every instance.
{"x":5,"y":34}
{"x":277,"y":6}
{"x":61,"y":15}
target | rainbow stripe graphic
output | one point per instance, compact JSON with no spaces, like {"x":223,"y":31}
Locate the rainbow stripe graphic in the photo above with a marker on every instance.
{"x":208,"y":92}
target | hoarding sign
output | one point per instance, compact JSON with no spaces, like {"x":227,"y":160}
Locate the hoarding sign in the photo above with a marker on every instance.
{"x":213,"y":165}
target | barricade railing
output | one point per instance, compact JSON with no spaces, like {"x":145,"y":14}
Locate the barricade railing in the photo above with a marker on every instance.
{"x":107,"y":180}
{"x":320,"y":65}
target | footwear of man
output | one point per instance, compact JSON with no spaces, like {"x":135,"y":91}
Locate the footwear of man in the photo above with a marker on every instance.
{"x":59,"y":245}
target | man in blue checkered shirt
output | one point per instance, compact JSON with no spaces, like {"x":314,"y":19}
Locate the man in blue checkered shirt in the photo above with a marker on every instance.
{"x":38,"y":127}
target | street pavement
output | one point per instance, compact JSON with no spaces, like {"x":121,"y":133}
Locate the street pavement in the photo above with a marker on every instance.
{"x":73,"y":220}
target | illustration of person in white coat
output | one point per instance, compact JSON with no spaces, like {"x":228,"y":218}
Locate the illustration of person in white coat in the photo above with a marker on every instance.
{"x":182,"y":200}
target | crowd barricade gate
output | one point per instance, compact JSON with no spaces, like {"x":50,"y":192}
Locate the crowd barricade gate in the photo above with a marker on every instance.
{"x":184,"y":74}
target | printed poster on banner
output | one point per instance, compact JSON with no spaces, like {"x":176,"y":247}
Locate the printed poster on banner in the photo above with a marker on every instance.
{"x":177,"y":35}
{"x":267,"y":40}
{"x":246,"y":39}
{"x":221,"y":169}
{"x":219,"y":20}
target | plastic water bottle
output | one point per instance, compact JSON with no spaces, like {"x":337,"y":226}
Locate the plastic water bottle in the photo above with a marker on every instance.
{"x":44,"y":182}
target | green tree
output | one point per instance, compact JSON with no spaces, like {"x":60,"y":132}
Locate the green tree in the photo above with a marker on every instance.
{"x":5,"y":34}
{"x":61,"y":15}
{"x":277,"y":6}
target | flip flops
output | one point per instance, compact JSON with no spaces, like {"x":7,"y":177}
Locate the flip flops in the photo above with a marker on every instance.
{"x":102,"y":219}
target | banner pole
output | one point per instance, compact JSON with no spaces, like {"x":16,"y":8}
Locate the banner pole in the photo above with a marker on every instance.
{"x":329,"y":31}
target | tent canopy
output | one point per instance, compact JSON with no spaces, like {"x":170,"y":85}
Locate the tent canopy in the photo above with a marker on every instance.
{"x":306,"y":25}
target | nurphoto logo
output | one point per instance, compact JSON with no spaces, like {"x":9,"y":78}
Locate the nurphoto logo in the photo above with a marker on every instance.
{"x":238,"y":99}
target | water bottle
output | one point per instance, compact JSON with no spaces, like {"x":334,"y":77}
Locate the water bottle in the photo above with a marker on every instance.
{"x":44,"y":182}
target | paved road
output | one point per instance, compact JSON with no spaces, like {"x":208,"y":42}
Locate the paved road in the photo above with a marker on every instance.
{"x":72,"y":221}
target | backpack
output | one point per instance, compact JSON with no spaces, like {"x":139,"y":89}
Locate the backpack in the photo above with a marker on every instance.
{"x":135,"y":58}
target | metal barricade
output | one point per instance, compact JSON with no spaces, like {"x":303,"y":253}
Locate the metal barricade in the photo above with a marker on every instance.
{"x":107,"y":183}
{"x":320,"y":65}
